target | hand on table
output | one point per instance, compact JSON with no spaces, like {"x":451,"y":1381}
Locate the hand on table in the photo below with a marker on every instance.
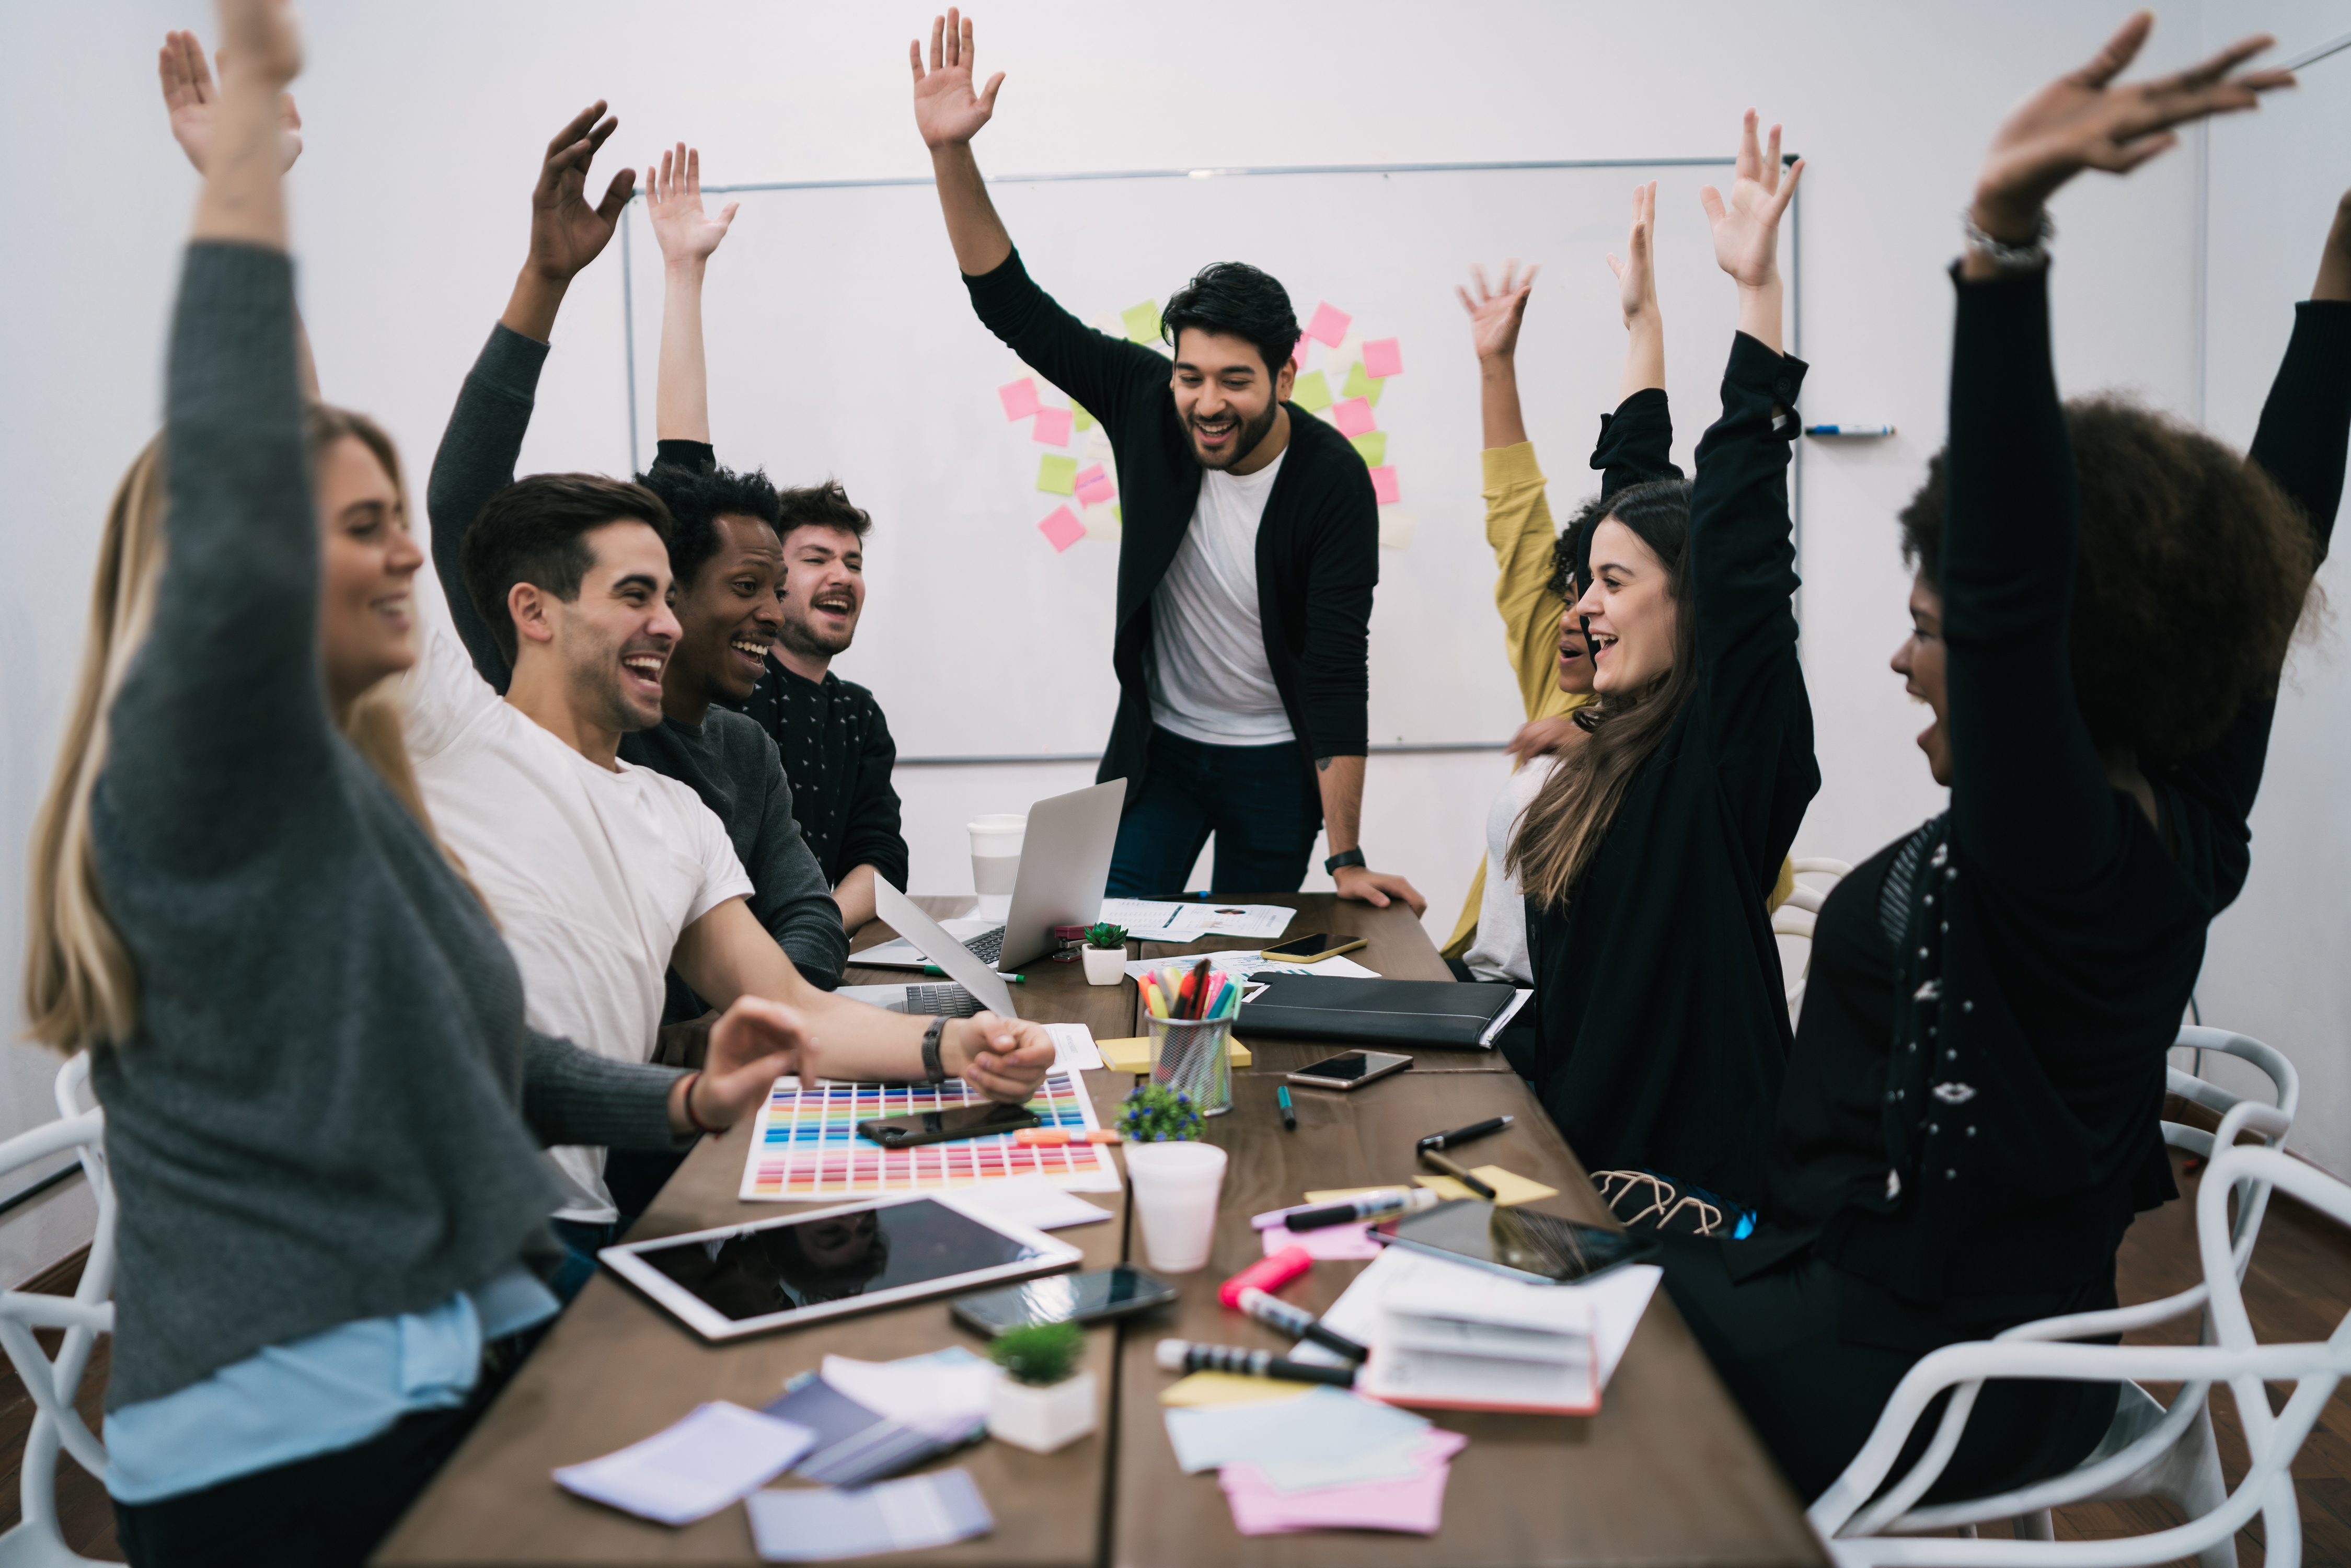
{"x":1376,"y":888}
{"x":192,"y":99}
{"x":1747,"y":226}
{"x":1495,"y":316}
{"x":946,"y":110}
{"x":752,"y":1044}
{"x":674,"y":201}
{"x":1004,"y":1059}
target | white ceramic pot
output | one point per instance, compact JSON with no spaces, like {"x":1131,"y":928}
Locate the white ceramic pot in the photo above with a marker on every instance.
{"x":1105,"y":966}
{"x":1041,"y":1419}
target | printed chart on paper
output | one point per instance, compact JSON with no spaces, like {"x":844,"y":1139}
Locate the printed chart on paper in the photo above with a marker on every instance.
{"x":806,"y":1145}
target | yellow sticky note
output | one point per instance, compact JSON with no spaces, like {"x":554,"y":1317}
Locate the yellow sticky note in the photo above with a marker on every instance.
{"x":1395,"y":527}
{"x":1311,"y":392}
{"x":1229,"y":1388}
{"x":1086,"y":421}
{"x":1374,"y":447}
{"x":1058,"y":474}
{"x":1509,"y":1188}
{"x":1104,"y":522}
{"x":1134,"y":1055}
{"x":1360,"y":385}
{"x":1141,"y":321}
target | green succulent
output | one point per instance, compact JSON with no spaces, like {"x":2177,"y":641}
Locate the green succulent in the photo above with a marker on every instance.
{"x":1040,"y":1353}
{"x":1103,"y":933}
{"x":1154,"y":1113}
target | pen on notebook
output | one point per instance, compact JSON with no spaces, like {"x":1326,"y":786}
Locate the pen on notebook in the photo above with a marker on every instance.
{"x":1297,"y":1321}
{"x":1463,"y":1135}
{"x":1430,"y":1156}
{"x":1183,"y":1356}
{"x":1289,"y":1111}
{"x":1384,"y":1204}
{"x":1007,"y":979}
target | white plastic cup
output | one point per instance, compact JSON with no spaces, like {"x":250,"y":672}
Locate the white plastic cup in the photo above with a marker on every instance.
{"x":995,"y":852}
{"x":1175,"y":1188}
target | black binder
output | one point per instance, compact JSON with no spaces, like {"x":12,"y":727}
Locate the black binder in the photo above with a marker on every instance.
{"x":1375,"y":1012}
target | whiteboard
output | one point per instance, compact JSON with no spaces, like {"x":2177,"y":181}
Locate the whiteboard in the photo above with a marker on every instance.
{"x":840,"y":342}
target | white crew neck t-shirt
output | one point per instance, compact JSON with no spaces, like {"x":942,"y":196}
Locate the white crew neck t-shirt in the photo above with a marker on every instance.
{"x":1209,"y":678}
{"x":1500,"y":953}
{"x":592,"y":873}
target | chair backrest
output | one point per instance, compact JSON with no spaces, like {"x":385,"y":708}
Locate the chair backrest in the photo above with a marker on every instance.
{"x":1798,"y":915}
{"x":2237,"y":1114}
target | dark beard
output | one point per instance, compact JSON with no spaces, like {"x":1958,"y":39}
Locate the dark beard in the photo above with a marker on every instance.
{"x":795,"y":635}
{"x":1251,"y":436}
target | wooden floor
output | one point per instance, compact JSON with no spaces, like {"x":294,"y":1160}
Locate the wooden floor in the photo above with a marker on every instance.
{"x":2298,"y":1288}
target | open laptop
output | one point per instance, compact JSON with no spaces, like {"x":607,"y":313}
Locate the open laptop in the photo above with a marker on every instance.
{"x":976,"y":983}
{"x":1064,"y":866}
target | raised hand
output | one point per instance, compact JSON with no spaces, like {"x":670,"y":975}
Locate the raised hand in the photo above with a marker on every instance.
{"x":1637,"y":283}
{"x":192,"y":99}
{"x":1003,"y":1058}
{"x":261,"y":35}
{"x":566,"y":232}
{"x":946,"y":110}
{"x":2084,"y":120}
{"x":673,"y":200}
{"x":1747,"y":227}
{"x":1495,"y":315}
{"x":2334,"y":262}
{"x":752,"y":1044}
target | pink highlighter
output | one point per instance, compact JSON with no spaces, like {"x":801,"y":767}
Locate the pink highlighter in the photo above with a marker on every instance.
{"x":1268,"y":1275}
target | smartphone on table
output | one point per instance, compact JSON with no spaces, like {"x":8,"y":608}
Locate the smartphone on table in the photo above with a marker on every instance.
{"x":1352,"y":1070}
{"x":1525,"y":1245}
{"x":1063,"y":1299}
{"x":945,"y":1126}
{"x":1311,"y":948}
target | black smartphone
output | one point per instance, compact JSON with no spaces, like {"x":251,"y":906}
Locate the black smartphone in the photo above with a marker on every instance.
{"x":1516,"y":1241}
{"x":1311,"y":948}
{"x":1063,"y":1299}
{"x":1351,"y":1071}
{"x":945,"y":1126}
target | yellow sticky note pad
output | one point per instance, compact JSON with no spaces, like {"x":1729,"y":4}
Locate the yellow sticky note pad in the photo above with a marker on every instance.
{"x":1311,"y":392}
{"x":1508,"y":1189}
{"x":1371,"y":444}
{"x":1360,"y":385}
{"x":1104,"y":522}
{"x":1086,"y":421}
{"x":1141,"y":321}
{"x":1058,"y":476}
{"x":1134,"y":1055}
{"x":1229,"y":1388}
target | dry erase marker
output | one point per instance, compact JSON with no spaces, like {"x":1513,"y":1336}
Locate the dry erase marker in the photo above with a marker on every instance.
{"x":1289,"y":1111}
{"x":1183,"y":1356}
{"x":1385,"y":1204}
{"x":1430,"y":1156}
{"x":1848,"y":430}
{"x":1273,"y":1310}
{"x":1061,"y":1137}
{"x":1463,"y":1135}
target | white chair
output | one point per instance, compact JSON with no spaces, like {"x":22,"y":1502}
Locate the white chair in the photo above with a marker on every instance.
{"x":36,"y":1541}
{"x":2149,"y":1449}
{"x":1798,"y":915}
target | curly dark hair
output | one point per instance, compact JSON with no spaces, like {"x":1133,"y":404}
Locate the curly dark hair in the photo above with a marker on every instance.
{"x":2191,"y":575}
{"x":697,"y":498}
{"x":1570,"y":553}
{"x":825,"y":506}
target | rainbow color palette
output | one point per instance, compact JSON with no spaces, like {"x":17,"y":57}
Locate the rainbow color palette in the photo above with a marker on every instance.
{"x":806,"y":1145}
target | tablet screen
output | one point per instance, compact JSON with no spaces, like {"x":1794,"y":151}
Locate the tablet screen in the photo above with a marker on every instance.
{"x":783,"y":1266}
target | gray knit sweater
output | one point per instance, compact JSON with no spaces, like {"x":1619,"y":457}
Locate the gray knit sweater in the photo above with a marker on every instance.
{"x":330,"y":1110}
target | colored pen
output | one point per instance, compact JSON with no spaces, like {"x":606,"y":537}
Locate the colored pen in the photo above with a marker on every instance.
{"x":1289,"y":1111}
{"x":1463,"y":1135}
{"x":1384,"y":1204}
{"x":1848,"y":430}
{"x":1183,"y":1356}
{"x":1273,"y":1310}
{"x":1007,"y":979}
{"x":1061,"y":1137}
{"x":1430,"y":1156}
{"x":1198,"y":989}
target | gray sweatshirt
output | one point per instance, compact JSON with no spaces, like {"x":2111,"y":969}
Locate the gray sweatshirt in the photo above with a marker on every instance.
{"x":729,"y":762}
{"x":330,"y":1110}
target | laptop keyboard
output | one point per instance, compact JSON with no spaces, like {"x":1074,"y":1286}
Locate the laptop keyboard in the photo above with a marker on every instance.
{"x":949,"y":1001}
{"x":989,"y":946}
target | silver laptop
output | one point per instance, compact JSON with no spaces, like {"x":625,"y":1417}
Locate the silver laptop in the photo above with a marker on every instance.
{"x":1064,"y":866}
{"x":972,"y":973}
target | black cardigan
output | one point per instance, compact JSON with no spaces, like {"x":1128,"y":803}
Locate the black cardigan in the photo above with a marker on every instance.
{"x":1317,"y":547}
{"x":1992,"y":1143}
{"x":1661,"y":1012}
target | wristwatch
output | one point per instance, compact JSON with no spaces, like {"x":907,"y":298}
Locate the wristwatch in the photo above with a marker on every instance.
{"x":933,"y":1070}
{"x":1340,"y":862}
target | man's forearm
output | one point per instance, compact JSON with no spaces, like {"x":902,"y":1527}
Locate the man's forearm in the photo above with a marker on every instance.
{"x":530,"y":309}
{"x":1341,"y":780}
{"x":682,"y":388}
{"x":855,"y":896}
{"x":975,"y":231}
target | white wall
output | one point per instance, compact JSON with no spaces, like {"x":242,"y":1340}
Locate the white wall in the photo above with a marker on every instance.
{"x":425,"y":121}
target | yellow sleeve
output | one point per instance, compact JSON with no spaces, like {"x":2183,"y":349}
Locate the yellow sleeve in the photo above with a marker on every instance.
{"x":1519,"y":528}
{"x":1780,"y":888}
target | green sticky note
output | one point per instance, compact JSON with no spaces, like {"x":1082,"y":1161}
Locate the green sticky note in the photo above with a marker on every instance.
{"x":1311,"y":392}
{"x":1141,"y":321}
{"x":1058,"y":474}
{"x":1373,"y":444}
{"x":1085,"y":421}
{"x":1360,"y":385}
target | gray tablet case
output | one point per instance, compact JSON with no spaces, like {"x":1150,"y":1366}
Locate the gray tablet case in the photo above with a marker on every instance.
{"x":1342,"y":1010}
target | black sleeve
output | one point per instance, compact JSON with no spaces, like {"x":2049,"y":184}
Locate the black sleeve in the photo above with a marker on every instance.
{"x":871,"y":836}
{"x":694,"y":456}
{"x":475,"y":461}
{"x":1334,"y":664}
{"x":1094,"y":368}
{"x":1636,"y":445}
{"x":790,"y":897}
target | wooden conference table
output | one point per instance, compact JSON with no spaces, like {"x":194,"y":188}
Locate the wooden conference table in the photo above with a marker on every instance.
{"x":1666,"y":1473}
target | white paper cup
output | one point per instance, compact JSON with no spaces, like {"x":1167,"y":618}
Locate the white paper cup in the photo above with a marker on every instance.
{"x":995,"y":852}
{"x":1175,"y":1188}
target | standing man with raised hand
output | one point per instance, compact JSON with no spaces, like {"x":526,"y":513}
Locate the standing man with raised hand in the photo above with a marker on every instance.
{"x":1250,"y":550}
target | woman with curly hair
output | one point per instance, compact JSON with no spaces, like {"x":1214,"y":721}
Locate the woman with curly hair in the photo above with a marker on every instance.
{"x":2104,"y":602}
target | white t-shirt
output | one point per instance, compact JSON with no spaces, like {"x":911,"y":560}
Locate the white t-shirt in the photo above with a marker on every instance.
{"x":592,"y":873}
{"x":1500,"y":951}
{"x":1210,"y":680}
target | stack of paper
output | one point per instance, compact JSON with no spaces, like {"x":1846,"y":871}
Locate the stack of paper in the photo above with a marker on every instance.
{"x":856,"y":1442}
{"x":820,"y":1525}
{"x":942,"y":1395}
{"x":693,"y":1468}
{"x":1193,"y":921}
{"x":1415,"y":1504}
{"x":1308,"y":1462}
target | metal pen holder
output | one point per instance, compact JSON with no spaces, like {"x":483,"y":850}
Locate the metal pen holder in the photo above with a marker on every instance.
{"x":1194,"y":1057}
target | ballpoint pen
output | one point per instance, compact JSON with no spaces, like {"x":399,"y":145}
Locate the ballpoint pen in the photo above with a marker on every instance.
{"x":1289,"y":1111}
{"x":1430,"y":1156}
{"x":1463,"y":1135}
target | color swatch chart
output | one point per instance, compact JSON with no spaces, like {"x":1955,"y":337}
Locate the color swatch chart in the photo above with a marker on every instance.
{"x":805,"y":1144}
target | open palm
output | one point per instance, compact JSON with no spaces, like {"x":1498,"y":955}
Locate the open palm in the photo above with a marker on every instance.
{"x":1496,"y":315}
{"x":191,"y":98}
{"x":674,"y":201}
{"x":1636,"y":278}
{"x":1747,"y":226}
{"x":946,"y":109}
{"x":566,"y":232}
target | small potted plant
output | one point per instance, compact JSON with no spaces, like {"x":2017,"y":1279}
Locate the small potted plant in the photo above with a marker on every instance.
{"x":1105,"y":955}
{"x":1038,"y":1404}
{"x":1176,"y":1177}
{"x":1154,"y":1113}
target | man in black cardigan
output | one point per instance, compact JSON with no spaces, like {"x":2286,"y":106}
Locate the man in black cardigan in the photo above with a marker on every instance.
{"x":1249,"y":552}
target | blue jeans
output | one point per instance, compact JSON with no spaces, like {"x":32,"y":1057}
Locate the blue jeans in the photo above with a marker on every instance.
{"x":581,"y":1241}
{"x":1260,"y":801}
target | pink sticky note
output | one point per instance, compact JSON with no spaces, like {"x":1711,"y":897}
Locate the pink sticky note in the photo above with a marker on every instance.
{"x":1053,"y":426}
{"x":1062,"y":528}
{"x":1091,"y":472}
{"x":1383,"y":359}
{"x":1020,"y":398}
{"x":1298,"y":354}
{"x":1094,"y":492}
{"x":1383,"y":486}
{"x":1329,"y":1243}
{"x":1413,"y":1506}
{"x":1353,"y":417}
{"x":1330,"y":324}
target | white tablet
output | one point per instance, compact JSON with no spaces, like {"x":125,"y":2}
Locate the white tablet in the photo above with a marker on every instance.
{"x":779,"y":1273}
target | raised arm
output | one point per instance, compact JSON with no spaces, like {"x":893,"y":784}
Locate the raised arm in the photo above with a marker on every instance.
{"x":949,"y":113}
{"x":687,"y":236}
{"x":1637,"y":296}
{"x":2306,"y":422}
{"x":1495,"y":316}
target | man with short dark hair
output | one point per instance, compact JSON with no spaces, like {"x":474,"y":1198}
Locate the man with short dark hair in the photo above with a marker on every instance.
{"x":1248,"y":553}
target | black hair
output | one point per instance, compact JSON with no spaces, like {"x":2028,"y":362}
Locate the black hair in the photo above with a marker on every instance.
{"x":696,"y":499}
{"x":1240,"y":302}
{"x":531,"y":532}
{"x":824,"y":506}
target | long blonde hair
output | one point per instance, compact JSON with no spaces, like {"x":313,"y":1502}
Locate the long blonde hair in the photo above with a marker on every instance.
{"x":81,"y":988}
